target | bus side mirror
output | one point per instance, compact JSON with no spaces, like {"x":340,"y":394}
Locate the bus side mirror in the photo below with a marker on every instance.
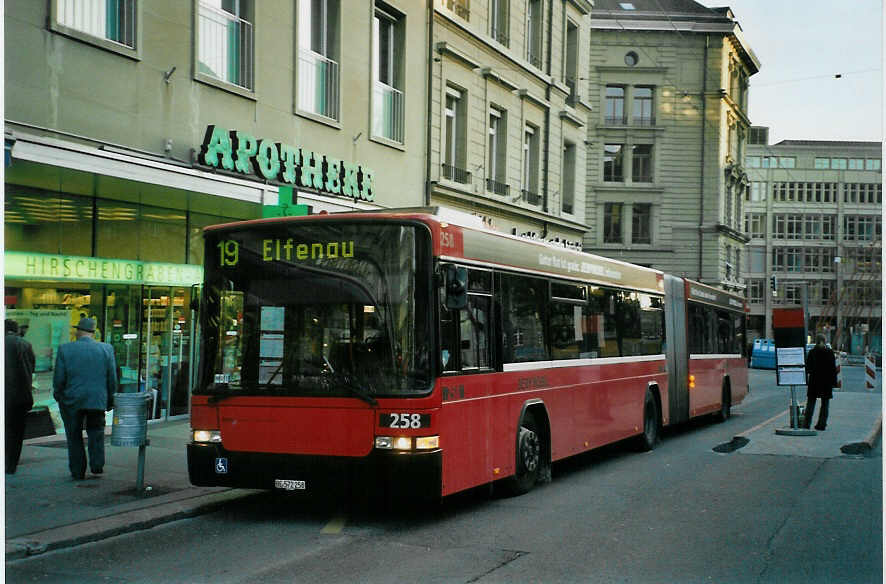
{"x":455,"y":281}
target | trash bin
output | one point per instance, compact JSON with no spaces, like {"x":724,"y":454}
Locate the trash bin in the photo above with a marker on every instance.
{"x":130,"y":426}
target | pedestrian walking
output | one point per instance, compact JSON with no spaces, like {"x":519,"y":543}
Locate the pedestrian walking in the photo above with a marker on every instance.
{"x":821,"y":377}
{"x":19,"y":399}
{"x":84,"y":384}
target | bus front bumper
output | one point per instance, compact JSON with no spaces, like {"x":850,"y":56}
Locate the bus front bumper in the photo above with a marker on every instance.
{"x":405,"y":473}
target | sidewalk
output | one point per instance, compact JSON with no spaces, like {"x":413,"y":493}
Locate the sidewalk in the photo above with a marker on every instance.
{"x":46,"y":509}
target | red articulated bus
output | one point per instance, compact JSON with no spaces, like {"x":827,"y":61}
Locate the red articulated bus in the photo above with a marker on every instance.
{"x":418,"y":349}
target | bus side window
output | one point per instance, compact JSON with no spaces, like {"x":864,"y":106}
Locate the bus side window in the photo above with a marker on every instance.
{"x":474,"y":327}
{"x":449,"y":351}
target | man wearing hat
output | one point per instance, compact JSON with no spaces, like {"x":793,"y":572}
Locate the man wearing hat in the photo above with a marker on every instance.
{"x":84,"y":384}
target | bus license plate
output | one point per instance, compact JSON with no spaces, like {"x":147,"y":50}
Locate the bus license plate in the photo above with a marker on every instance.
{"x":289,"y":485}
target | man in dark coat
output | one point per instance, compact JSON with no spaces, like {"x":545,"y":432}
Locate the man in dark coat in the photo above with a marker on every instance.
{"x":84,"y":384}
{"x":821,"y":374}
{"x":18,"y":375}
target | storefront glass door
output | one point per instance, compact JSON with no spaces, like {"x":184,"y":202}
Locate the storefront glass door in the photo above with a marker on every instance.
{"x":165,"y":348}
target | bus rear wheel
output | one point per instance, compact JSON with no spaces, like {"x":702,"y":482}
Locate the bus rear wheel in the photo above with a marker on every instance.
{"x":649,"y":438}
{"x":725,"y":404}
{"x":528,"y":457}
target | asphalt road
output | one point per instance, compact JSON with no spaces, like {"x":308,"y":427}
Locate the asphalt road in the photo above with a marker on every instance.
{"x":680,"y":514}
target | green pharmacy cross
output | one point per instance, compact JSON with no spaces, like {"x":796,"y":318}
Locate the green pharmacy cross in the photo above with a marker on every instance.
{"x":285,"y":207}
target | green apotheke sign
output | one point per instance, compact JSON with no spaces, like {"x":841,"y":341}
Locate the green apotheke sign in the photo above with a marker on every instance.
{"x":243,"y":153}
{"x":38,"y":266}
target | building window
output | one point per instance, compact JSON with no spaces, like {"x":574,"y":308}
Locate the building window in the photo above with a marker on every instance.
{"x":641,"y":223}
{"x":838,"y":163}
{"x":615,"y":105}
{"x":631,"y":58}
{"x":872,"y":164}
{"x":822,"y":163}
{"x":530,"y":165}
{"x":787,"y":259}
{"x":758,"y":191}
{"x":570,"y":62}
{"x":497,"y":161}
{"x":787,"y":162}
{"x":387,"y":64}
{"x":225,"y":35}
{"x":641,"y":162}
{"x":568,"y":187}
{"x":755,"y":291}
{"x":856,"y":164}
{"x":533,"y":32}
{"x":756,"y":225}
{"x":613,"y":163}
{"x":752,"y":162}
{"x":643,"y":110}
{"x":318,"y":69}
{"x":862,"y":228}
{"x":109,"y":20}
{"x":454,"y":154}
{"x":612,"y":224}
{"x":759,"y":135}
{"x":499,"y":17}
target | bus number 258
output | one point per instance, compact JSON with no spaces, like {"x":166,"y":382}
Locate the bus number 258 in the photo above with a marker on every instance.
{"x":403,"y":421}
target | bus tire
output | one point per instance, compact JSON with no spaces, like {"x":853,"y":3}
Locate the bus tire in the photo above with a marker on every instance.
{"x":651,"y":423}
{"x":529,"y":460}
{"x":725,"y":403}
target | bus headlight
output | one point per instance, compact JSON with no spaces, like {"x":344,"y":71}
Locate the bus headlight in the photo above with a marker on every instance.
{"x":406,"y":442}
{"x":427,"y":442}
{"x":207,"y":436}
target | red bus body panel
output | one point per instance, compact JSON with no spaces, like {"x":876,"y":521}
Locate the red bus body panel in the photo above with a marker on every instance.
{"x":588,"y":407}
{"x":710,"y":371}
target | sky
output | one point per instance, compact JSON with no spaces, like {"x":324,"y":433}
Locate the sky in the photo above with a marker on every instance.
{"x":802,"y":45}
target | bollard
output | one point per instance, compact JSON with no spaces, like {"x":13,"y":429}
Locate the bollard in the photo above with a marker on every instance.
{"x":130,"y":427}
{"x":870,"y":373}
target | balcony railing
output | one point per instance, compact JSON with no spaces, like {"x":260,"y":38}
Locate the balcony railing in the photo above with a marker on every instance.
{"x":456,"y":174}
{"x":114,"y":21}
{"x":498,"y":188}
{"x":615,"y":121}
{"x":318,"y":84}
{"x":225,"y":51}
{"x":530,"y":197}
{"x":387,"y":112}
{"x":643,"y":120}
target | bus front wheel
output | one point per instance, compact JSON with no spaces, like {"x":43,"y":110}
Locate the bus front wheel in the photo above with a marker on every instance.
{"x":528,"y":457}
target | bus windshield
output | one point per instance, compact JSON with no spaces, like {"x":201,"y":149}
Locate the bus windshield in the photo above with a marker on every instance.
{"x":317,"y":309}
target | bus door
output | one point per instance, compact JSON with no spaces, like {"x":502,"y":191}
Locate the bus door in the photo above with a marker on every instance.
{"x":677,"y":351}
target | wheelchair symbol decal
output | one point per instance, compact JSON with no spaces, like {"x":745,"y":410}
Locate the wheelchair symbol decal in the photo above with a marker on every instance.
{"x":221,"y":465}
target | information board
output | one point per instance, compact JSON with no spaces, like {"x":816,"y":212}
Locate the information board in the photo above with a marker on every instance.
{"x":790,"y":365}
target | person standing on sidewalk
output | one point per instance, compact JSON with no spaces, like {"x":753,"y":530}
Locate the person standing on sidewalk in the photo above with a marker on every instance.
{"x":821,"y":374}
{"x":19,"y":399}
{"x":84,"y":384}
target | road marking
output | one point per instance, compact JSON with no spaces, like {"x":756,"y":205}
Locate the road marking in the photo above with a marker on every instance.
{"x":335,"y":525}
{"x":761,"y":424}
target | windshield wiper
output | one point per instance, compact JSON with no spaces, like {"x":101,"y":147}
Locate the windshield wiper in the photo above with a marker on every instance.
{"x":348,"y":383}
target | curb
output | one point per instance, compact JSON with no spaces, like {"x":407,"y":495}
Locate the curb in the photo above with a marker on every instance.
{"x":866,"y":445}
{"x":109,"y":526}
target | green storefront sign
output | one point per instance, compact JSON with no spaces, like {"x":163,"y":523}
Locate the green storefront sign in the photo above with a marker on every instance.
{"x":242,"y":152}
{"x":38,"y":266}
